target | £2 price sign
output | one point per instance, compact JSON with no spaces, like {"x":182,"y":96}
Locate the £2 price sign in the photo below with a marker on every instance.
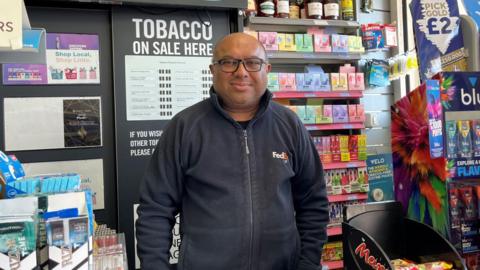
{"x":438,"y":36}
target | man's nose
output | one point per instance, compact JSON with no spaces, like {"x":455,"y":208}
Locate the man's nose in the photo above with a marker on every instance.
{"x":241,"y":71}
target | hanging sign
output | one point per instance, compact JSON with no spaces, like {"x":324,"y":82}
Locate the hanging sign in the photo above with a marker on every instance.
{"x":438,"y":36}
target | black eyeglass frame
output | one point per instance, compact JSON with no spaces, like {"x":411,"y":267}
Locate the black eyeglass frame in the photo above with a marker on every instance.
{"x":238,"y":61}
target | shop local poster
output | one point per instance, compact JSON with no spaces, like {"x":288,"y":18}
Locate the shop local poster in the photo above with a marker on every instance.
{"x":71,"y":59}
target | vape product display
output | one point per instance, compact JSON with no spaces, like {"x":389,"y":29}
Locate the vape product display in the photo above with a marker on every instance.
{"x":464,"y":139}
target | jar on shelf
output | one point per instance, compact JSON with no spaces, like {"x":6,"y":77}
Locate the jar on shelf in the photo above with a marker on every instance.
{"x":294,"y":10}
{"x":303,"y":8}
{"x":331,"y":9}
{"x":347,"y":10}
{"x":314,"y":9}
{"x":266,"y":8}
{"x":283,"y":8}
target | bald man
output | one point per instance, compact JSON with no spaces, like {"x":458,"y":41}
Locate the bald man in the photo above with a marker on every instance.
{"x":243,"y":173}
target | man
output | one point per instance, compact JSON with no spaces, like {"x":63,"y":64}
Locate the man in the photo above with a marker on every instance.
{"x":242,"y":172}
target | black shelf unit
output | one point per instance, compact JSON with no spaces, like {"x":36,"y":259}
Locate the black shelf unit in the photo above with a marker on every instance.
{"x":376,"y":233}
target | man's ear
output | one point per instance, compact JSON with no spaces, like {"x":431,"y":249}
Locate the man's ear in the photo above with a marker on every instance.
{"x":211,"y":68}
{"x":268,"y":68}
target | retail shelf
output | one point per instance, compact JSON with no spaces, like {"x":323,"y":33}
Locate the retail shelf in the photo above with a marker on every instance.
{"x":344,"y":165}
{"x":347,"y":197}
{"x":318,"y":94}
{"x":334,"y":230}
{"x":284,"y":57}
{"x":333,"y":264}
{"x":296,"y":25}
{"x":334,"y":126}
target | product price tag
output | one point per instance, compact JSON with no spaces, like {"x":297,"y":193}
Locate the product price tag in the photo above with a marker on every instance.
{"x":320,"y":22}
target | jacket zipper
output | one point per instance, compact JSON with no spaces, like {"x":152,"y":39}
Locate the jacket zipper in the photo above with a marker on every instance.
{"x":247,"y":152}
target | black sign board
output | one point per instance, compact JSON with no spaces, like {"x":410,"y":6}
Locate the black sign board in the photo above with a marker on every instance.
{"x":145,"y":38}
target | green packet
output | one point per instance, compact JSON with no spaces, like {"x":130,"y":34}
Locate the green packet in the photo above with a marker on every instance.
{"x":17,"y":236}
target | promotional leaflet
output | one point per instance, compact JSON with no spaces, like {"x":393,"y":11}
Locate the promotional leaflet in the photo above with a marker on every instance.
{"x":380,"y":177}
{"x":434,"y":109}
{"x":71,"y":59}
{"x":438,"y":36}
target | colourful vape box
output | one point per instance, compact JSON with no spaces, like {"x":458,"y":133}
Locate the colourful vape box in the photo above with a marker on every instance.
{"x":306,"y":114}
{"x":326,"y":115}
{"x":318,"y":113}
{"x":339,"y":43}
{"x":356,"y":81}
{"x":340,"y":114}
{"x":322,"y":43}
{"x":300,"y":81}
{"x":304,"y":43}
{"x":362,"y":147}
{"x":342,"y":82}
{"x":273,"y":84}
{"x":347,"y":68}
{"x":312,"y":81}
{"x":269,"y":40}
{"x":344,"y":152}
{"x":317,"y":110}
{"x":356,"y":113}
{"x":355,"y":44}
{"x":309,"y":117}
{"x":352,"y":112}
{"x":286,"y":42}
{"x":360,"y":113}
{"x":324,"y":82}
{"x":353,"y":147}
{"x":334,"y":80}
{"x":287,"y":81}
{"x":339,"y":81}
{"x":327,"y":154}
{"x":335,"y":148}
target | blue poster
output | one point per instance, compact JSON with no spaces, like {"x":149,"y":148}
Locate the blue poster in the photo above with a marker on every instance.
{"x":438,"y":36}
{"x":434,"y":109}
{"x":380,"y":177}
{"x":473,"y":10}
{"x":460,"y":91}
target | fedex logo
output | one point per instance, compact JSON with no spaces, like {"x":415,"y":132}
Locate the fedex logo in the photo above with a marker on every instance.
{"x":283,"y":155}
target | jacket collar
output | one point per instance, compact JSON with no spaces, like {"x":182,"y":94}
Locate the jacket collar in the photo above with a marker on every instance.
{"x":264,"y":102}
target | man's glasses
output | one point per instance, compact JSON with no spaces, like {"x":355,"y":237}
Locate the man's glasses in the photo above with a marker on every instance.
{"x":232,"y":64}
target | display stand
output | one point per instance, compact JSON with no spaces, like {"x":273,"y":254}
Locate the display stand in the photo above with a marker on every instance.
{"x":374,"y":234}
{"x":436,"y":155}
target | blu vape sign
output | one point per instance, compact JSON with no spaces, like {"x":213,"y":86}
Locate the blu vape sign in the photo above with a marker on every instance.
{"x":465,"y":87}
{"x":438,"y":36}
